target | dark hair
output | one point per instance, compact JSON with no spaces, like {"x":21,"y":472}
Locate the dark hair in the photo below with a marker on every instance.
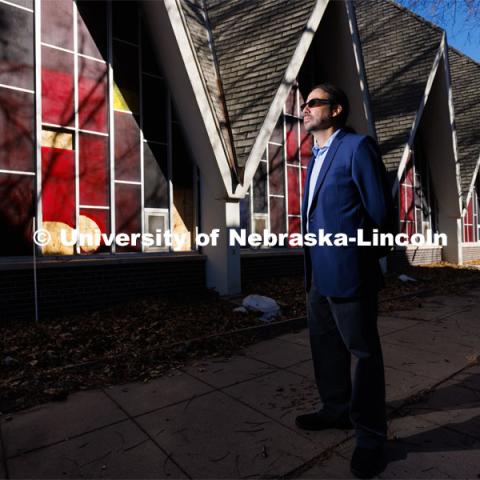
{"x":337,"y":97}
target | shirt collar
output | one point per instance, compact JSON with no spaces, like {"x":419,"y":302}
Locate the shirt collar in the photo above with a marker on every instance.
{"x":316,"y":150}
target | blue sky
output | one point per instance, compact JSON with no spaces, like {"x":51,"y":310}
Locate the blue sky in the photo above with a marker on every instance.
{"x":462,"y":27}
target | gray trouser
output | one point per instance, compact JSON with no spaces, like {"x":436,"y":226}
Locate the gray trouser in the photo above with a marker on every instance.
{"x":339,"y":328}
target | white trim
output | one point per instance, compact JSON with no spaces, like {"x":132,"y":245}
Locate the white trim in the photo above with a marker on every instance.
{"x":67,"y":50}
{"x":451,"y":111}
{"x":361,"y":71}
{"x":201,"y":94}
{"x":128,"y":182}
{"x":168,"y":114}
{"x":111,"y":124}
{"x":123,"y":111}
{"x":418,"y":115}
{"x":21,"y":7}
{"x":95,"y":207}
{"x":72,"y":129}
{"x":276,"y":195}
{"x":38,"y":113}
{"x":76,"y":107}
{"x":16,"y":172}
{"x":18,"y":89}
{"x":276,"y":106}
{"x":94,"y":59}
{"x":155,"y":142}
{"x":140,"y":112}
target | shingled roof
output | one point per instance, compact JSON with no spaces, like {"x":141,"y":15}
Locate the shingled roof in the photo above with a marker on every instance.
{"x":250,"y":46}
{"x":198,"y":27}
{"x":399,"y":50}
{"x":465,"y":74}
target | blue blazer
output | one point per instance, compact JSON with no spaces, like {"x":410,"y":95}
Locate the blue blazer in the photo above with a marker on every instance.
{"x":351,"y":193}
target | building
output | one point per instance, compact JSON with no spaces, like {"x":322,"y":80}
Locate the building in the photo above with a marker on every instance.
{"x":183,"y":115}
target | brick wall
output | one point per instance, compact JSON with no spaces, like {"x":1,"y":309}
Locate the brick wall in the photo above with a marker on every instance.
{"x":471,"y":253}
{"x":261,"y":265}
{"x":83,"y":285}
{"x":402,"y":258}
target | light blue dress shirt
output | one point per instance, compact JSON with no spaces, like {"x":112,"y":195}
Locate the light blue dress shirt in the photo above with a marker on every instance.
{"x":319,"y":153}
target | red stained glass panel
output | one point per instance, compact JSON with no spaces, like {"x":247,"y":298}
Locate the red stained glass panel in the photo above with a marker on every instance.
{"x":469,"y":215}
{"x":293,"y":191}
{"x":17,"y":210}
{"x":128,"y":212}
{"x":58,"y":185}
{"x":57,"y":87}
{"x":291,"y":104}
{"x":276,"y":169}
{"x":57,"y":23}
{"x":93,"y":170}
{"x":294,"y":225}
{"x":292,"y":140}
{"x":305,"y":146}
{"x":16,"y":47}
{"x":102,"y":219}
{"x":16,"y":128}
{"x":92,"y":95}
{"x":277,"y":215}
{"x":127,"y":147}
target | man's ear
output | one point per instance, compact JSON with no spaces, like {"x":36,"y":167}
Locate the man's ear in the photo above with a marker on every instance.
{"x":336,"y":110}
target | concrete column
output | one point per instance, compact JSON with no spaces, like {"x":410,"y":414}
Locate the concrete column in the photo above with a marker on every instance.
{"x":223,"y":261}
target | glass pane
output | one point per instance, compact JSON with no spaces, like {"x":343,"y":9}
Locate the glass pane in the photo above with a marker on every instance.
{"x":57,"y":23}
{"x":92,"y":95}
{"x":277,"y":215}
{"x":245,"y":213}
{"x":155,"y":176}
{"x":294,"y":225}
{"x":183,"y":192}
{"x":149,"y":59}
{"x":57,"y":87}
{"x":126,"y":77}
{"x":16,"y":47}
{"x":127,"y":147}
{"x":23,"y":3}
{"x":277,"y":134}
{"x":94,"y":170}
{"x":260,"y":204}
{"x":293,"y":191}
{"x":58,"y":186}
{"x":291,"y":104}
{"x":127,"y":212}
{"x":17,"y":131}
{"x":94,"y":221}
{"x":16,"y":213}
{"x":259,"y":225}
{"x":92,"y":28}
{"x":292,"y":139}
{"x":306,"y":145}
{"x":154,"y":109}
{"x":276,"y":169}
{"x":304,"y":178}
{"x":125,"y":20}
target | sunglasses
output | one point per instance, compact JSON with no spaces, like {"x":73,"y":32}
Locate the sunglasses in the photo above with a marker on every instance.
{"x":315,"y":102}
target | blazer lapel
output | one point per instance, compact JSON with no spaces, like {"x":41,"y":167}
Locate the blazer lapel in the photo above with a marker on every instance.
{"x":326,"y":163}
{"x":307,"y":187}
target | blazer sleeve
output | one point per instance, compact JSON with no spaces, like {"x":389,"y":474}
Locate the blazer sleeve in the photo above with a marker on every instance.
{"x":370,"y":177}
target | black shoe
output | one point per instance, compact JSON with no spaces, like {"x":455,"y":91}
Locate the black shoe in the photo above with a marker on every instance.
{"x":367,"y":462}
{"x":321,"y":421}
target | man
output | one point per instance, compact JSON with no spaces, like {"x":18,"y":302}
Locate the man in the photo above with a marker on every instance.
{"x":345,"y":190}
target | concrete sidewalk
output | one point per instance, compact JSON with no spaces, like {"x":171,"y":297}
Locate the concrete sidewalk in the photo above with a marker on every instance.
{"x":235,"y":418}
